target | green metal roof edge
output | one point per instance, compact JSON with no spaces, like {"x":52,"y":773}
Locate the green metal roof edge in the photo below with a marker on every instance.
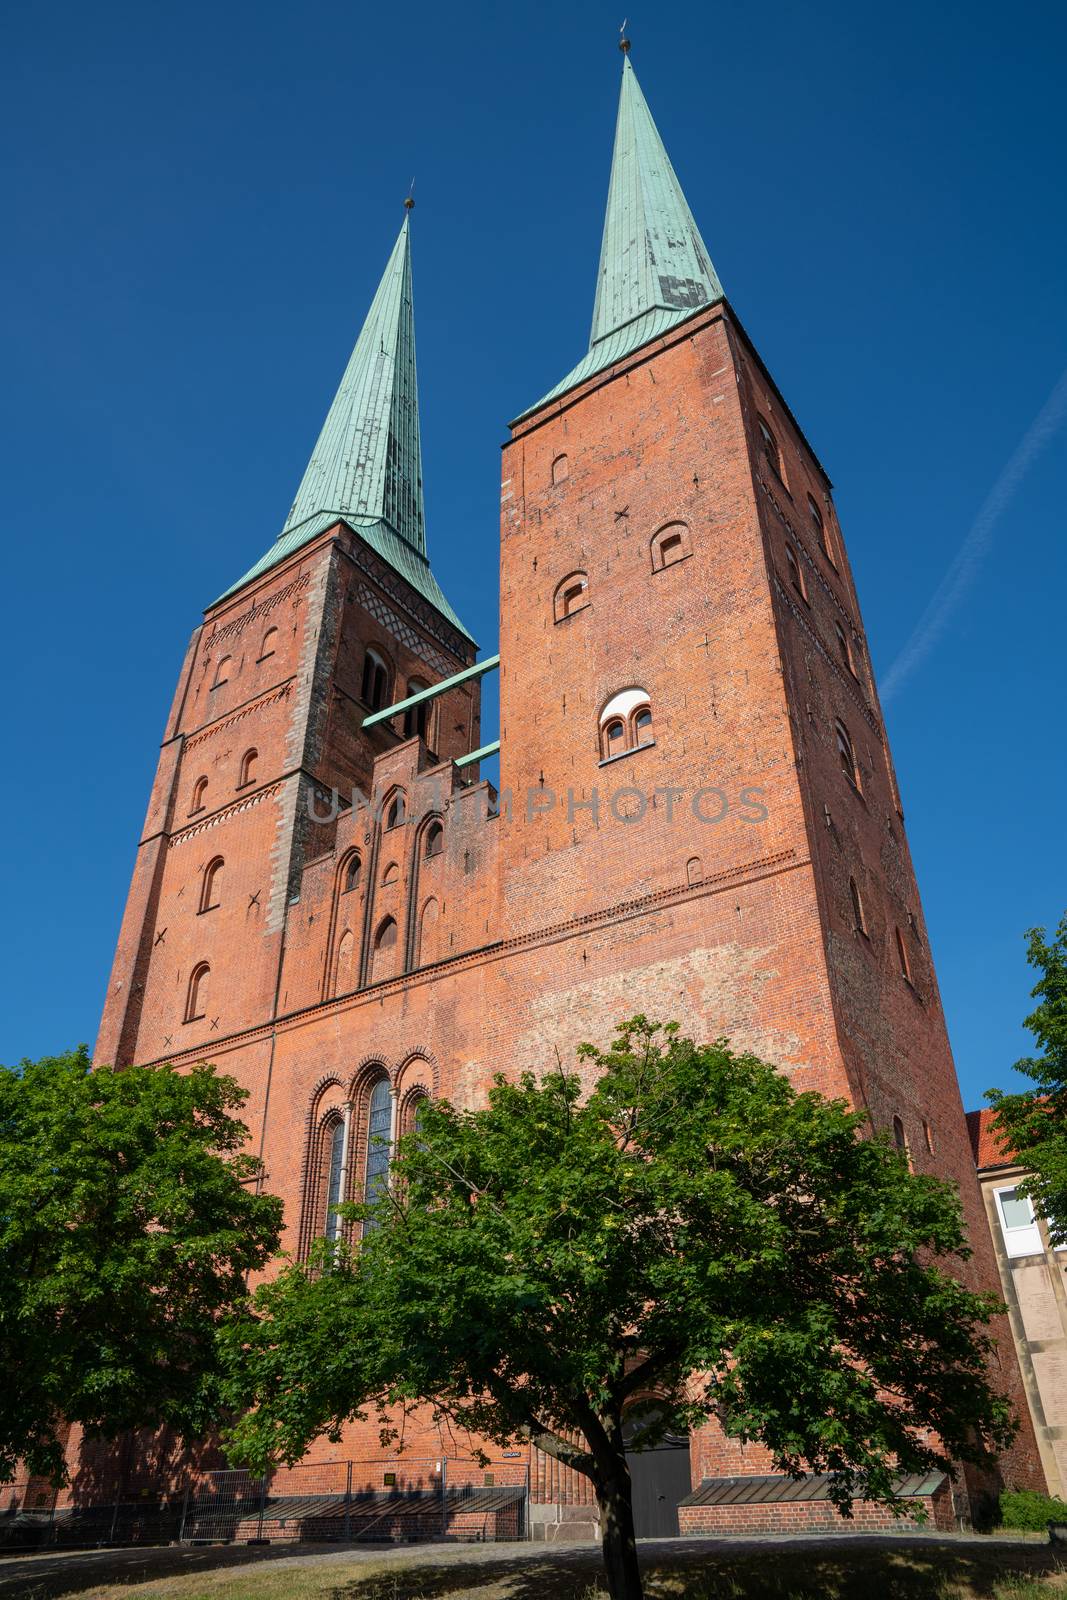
{"x":643,"y":330}
{"x":410,"y":564}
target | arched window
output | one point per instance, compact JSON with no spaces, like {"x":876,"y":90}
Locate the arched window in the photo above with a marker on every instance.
{"x":417,"y":718}
{"x":859,"y":921}
{"x":336,"y":1140}
{"x":350,"y":878}
{"x":269,"y":645}
{"x":795,"y":575}
{"x":394,"y":811}
{"x":902,"y":957}
{"x":572,"y":594}
{"x":376,"y":1162}
{"x":669,"y":545}
{"x":391,"y":873}
{"x":248,"y":769}
{"x":560,"y":469}
{"x":844,"y":649}
{"x":384,"y":954}
{"x":414,"y":1105}
{"x":435,"y":840}
{"x":374,"y":688}
{"x":900,"y":1139}
{"x":928,"y":1136}
{"x":822,"y":533}
{"x":209,"y":887}
{"x":625,"y":723}
{"x":694,"y":870}
{"x":345,"y":976}
{"x":428,"y":927}
{"x":199,"y":791}
{"x":222,"y":672}
{"x":196,"y":995}
{"x":770,"y":447}
{"x":846,"y":755}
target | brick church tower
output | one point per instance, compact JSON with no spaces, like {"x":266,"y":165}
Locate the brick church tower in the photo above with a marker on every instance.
{"x":697,"y":818}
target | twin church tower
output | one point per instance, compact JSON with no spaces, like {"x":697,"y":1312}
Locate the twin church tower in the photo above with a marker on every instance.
{"x":697,"y":814}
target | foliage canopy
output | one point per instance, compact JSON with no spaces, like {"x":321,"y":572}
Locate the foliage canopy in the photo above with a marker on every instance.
{"x":127,"y":1228}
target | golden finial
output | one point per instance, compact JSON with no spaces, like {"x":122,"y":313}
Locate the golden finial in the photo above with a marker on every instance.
{"x":624,"y":43}
{"x":409,"y":203}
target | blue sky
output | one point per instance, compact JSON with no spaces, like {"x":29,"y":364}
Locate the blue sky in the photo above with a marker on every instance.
{"x":199,"y":204}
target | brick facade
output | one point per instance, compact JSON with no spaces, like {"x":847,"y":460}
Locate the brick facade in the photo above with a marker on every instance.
{"x":705,"y":876}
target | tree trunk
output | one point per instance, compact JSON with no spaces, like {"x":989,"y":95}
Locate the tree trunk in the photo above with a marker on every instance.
{"x":617,"y":1540}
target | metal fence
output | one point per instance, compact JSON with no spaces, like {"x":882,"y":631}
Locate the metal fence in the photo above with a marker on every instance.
{"x":384,"y":1500}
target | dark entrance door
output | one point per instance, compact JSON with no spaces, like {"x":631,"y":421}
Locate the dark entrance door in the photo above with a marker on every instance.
{"x":660,"y":1478}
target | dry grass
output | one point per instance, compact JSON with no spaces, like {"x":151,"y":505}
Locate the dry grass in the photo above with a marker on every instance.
{"x":922,"y":1570}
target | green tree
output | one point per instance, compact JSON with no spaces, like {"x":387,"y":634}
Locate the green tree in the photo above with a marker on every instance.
{"x":1033,"y":1125}
{"x":127,"y":1227}
{"x":692,"y":1230}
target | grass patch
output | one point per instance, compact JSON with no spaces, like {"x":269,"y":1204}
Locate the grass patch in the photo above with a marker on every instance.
{"x":842,"y":1569}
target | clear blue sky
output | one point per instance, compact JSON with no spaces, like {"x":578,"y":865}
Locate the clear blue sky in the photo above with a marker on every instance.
{"x":199,"y":202}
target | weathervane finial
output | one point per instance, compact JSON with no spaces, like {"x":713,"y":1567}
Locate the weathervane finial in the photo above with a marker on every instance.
{"x":624,"y":43}
{"x":409,"y":203}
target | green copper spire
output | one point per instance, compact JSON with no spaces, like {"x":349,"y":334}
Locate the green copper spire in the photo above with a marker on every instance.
{"x":366,"y":468}
{"x":655,"y":269}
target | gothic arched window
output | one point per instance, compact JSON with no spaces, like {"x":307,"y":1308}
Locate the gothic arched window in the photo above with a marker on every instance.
{"x":572,"y":594}
{"x":374,"y":688}
{"x":384,"y":950}
{"x":770,"y":447}
{"x":196,"y":995}
{"x":394,"y":811}
{"x":199,"y":791}
{"x":669,"y":545}
{"x":209,"y":887}
{"x":335,"y":1177}
{"x":350,"y":878}
{"x":435,"y":840}
{"x":377,"y":1145}
{"x":417,"y":718}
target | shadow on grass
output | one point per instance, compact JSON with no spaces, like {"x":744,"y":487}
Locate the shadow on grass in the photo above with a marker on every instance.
{"x":950,"y":1571}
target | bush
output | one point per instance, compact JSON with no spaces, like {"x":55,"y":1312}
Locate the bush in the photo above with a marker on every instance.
{"x":1024,"y":1508}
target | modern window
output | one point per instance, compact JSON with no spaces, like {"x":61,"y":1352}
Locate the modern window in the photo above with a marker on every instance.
{"x":770,"y":447}
{"x":375,"y":686}
{"x":336,"y":1141}
{"x":350,"y":878}
{"x":209,"y":887}
{"x":247,"y":773}
{"x":222,"y":672}
{"x":560,"y":469}
{"x":269,"y":645}
{"x":859,"y":920}
{"x":196,"y":995}
{"x":417,"y":718}
{"x":435,"y":840}
{"x":846,"y":755}
{"x":669,"y":545}
{"x":796,"y":577}
{"x":625,"y":723}
{"x":572,"y":594}
{"x":199,"y":791}
{"x":1018,"y":1224}
{"x":376,"y":1164}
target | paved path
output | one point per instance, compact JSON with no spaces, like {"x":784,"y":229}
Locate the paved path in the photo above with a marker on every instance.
{"x":68,"y":1571}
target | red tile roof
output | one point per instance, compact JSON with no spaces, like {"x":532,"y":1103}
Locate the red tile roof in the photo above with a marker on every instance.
{"x":985,"y":1141}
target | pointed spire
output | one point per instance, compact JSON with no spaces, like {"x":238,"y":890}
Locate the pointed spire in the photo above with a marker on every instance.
{"x":655,"y":269}
{"x":366,"y":468}
{"x":368,"y":461}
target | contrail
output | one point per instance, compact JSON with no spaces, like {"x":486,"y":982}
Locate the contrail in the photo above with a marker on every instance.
{"x":968,"y":558}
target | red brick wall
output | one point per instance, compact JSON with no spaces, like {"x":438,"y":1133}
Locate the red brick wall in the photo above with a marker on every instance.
{"x":555,"y":922}
{"x":816,"y":1516}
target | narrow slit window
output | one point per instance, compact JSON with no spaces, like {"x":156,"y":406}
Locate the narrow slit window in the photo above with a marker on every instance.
{"x":902,"y":957}
{"x":209,"y":888}
{"x":374,"y":687}
{"x":796,"y":577}
{"x":351,"y":874}
{"x":196,"y":995}
{"x":199,"y":792}
{"x":417,"y":718}
{"x":859,"y":921}
{"x":846,"y":755}
{"x":335,"y":1181}
{"x":247,"y":773}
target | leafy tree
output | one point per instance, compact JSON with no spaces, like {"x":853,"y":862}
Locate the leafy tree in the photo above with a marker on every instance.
{"x":127,"y":1228}
{"x":1033,"y":1125}
{"x":550,"y":1264}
